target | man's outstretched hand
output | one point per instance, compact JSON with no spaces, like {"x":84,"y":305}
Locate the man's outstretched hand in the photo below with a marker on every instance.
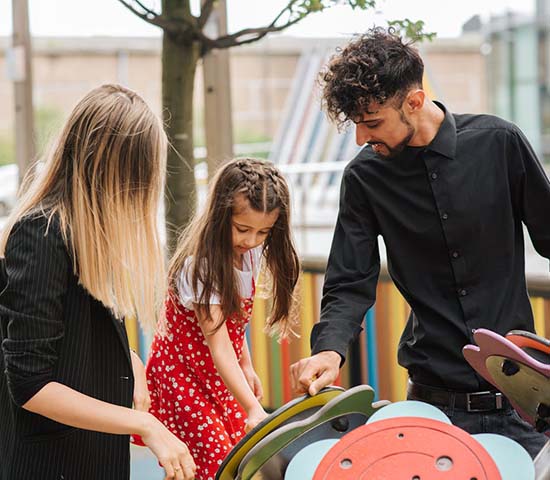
{"x":311,"y":374}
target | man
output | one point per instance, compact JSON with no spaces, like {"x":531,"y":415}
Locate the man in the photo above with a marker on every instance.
{"x":448,"y":193}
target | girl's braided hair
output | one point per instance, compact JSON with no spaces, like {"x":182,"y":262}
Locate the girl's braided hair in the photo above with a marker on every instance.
{"x":209,"y":239}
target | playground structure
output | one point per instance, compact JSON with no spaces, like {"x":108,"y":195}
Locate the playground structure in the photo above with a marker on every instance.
{"x":345,"y":434}
{"x":518,"y":365}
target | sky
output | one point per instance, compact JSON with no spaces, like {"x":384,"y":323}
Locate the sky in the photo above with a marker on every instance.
{"x":109,"y":17}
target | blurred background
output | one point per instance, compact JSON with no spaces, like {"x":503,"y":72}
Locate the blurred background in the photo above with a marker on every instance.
{"x":260,"y":99}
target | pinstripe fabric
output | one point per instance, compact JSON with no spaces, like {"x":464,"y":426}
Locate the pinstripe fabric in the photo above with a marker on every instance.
{"x":53,"y":330}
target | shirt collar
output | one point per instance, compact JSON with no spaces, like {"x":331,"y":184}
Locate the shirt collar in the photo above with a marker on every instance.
{"x":444,"y":141}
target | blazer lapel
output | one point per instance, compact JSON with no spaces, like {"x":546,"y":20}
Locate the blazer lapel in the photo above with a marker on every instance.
{"x":122,"y":336}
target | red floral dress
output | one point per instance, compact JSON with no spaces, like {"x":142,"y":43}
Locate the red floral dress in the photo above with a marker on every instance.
{"x":187,"y":393}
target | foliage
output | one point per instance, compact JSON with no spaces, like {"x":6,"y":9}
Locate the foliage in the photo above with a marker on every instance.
{"x":411,"y":30}
{"x":247,"y":135}
{"x":7,"y":149}
{"x":48,"y":122}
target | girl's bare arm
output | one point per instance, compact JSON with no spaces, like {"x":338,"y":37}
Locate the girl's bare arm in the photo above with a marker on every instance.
{"x":227,"y":364}
{"x":250,"y":374}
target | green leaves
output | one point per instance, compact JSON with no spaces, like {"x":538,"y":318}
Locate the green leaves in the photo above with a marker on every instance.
{"x":411,"y":30}
{"x":310,"y":6}
{"x":361,"y":4}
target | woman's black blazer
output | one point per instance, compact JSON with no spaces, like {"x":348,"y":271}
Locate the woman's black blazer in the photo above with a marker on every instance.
{"x":52,"y":329}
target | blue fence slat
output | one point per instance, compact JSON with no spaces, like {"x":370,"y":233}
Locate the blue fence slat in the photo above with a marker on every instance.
{"x":372,"y":351}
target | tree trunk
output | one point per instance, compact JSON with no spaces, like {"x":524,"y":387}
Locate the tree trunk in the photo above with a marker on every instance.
{"x":179,"y":63}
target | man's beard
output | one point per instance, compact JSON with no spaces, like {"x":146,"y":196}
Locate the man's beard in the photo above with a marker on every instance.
{"x":397,"y":149}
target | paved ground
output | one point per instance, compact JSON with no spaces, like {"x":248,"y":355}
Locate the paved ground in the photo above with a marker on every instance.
{"x":144,"y":465}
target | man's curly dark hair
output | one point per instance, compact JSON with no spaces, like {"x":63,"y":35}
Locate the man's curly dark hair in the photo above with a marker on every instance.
{"x":376,"y":67}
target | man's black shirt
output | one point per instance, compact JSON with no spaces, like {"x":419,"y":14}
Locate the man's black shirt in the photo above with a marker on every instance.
{"x":451,"y":218}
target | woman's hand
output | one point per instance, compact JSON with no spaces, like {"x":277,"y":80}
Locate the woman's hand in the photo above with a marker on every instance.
{"x":142,"y":399}
{"x":172,"y":454}
{"x":65,"y":405}
{"x":253,"y":381}
{"x":254,"y":416}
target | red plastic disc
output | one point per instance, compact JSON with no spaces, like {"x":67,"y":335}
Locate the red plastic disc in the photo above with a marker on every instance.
{"x":407,"y":448}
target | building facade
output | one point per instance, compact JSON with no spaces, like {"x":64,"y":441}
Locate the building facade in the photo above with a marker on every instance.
{"x":518,"y":73}
{"x":262,"y":74}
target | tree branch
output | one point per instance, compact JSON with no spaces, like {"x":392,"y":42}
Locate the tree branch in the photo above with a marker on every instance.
{"x":206,"y":10}
{"x":149,"y":16}
{"x":253,"y":34}
{"x":281,"y":13}
{"x":147,"y":10}
{"x":174,"y":27}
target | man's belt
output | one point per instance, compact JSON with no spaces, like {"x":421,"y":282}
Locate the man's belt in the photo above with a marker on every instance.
{"x":486,"y":401}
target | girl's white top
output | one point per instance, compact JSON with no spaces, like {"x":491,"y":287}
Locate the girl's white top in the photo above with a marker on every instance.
{"x":251,"y":270}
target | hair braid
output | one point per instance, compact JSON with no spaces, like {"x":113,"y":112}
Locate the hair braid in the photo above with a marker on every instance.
{"x":241,"y":183}
{"x":276,"y":180}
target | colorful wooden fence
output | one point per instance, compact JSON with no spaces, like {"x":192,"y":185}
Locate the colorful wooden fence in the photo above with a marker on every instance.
{"x":371,"y":360}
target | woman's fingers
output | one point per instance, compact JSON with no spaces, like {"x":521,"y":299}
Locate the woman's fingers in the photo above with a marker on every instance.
{"x":178,"y":473}
{"x":181,"y":471}
{"x":169,"y":470}
{"x":177,"y":461}
{"x":189,"y":471}
{"x":188,"y":465}
{"x":172,"y":454}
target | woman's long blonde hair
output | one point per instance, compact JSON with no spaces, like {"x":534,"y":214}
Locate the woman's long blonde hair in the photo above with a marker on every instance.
{"x":103,"y":179}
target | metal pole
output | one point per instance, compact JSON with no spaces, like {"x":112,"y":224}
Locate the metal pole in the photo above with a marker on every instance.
{"x":218,"y":123}
{"x":21,"y":74}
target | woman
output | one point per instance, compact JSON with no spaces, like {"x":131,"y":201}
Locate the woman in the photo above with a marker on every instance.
{"x":79,"y":254}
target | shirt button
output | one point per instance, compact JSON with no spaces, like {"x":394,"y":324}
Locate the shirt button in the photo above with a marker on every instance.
{"x":455,"y":254}
{"x":433,"y":175}
{"x":444,"y":216}
{"x":463,"y":292}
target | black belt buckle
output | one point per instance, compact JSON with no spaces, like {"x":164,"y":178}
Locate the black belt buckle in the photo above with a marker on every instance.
{"x":496,"y":395}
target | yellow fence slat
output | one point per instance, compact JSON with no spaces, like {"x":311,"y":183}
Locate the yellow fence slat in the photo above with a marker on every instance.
{"x":307,"y":313}
{"x":537,"y":304}
{"x":397,"y":309}
{"x":260,"y":349}
{"x":132,"y":331}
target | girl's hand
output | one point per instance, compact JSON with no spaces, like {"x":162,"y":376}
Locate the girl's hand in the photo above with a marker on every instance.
{"x":142,"y":399}
{"x":255,"y":416}
{"x":253,"y":381}
{"x":172,"y":454}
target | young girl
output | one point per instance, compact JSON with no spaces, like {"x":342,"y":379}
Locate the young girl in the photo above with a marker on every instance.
{"x":80,"y":253}
{"x":202,"y":383}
